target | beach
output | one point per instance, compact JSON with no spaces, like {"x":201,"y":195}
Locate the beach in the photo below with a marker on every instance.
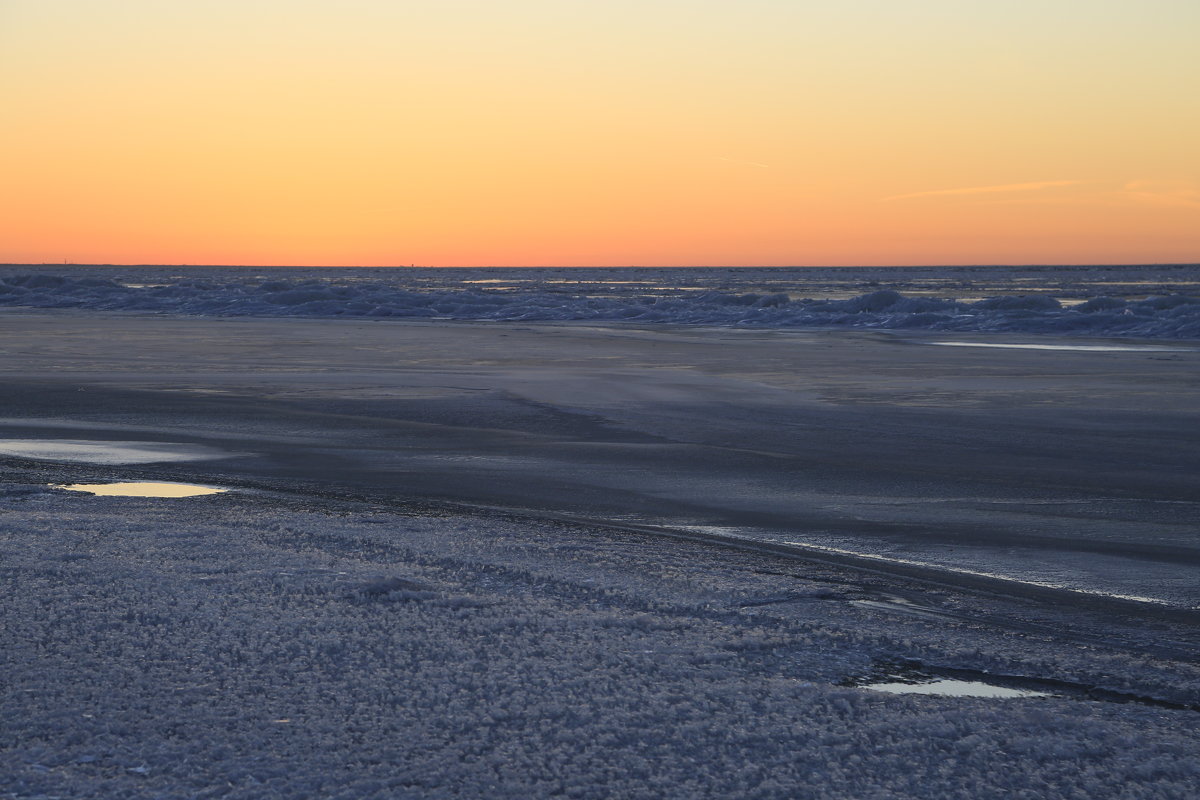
{"x":610,"y":401}
{"x":488,"y":558}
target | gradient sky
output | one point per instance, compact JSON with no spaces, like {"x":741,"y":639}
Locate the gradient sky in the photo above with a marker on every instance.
{"x":599,"y":132}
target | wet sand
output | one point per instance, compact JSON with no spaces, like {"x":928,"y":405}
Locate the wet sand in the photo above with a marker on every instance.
{"x":1075,"y":469}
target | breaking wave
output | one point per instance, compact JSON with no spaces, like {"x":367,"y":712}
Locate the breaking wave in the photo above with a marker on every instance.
{"x":1160,"y":317}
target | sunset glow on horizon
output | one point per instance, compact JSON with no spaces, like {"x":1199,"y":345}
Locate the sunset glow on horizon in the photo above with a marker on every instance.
{"x":559,"y":132}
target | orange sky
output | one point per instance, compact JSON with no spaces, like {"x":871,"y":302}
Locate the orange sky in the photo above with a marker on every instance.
{"x":543,"y":132}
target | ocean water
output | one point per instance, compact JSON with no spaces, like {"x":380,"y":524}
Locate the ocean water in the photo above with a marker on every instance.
{"x":1146,"y":301}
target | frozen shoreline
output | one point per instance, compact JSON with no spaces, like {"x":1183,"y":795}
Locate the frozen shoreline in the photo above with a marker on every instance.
{"x":343,"y":623}
{"x":259,"y":645}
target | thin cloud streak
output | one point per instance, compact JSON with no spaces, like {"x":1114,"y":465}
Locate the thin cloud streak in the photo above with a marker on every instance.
{"x":1163,"y":193}
{"x":1007,"y":187}
{"x":1160,"y":194}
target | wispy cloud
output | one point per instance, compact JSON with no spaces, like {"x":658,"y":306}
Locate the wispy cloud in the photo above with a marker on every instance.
{"x":1007,"y":187}
{"x":1154,"y":193}
{"x":1163,"y":193}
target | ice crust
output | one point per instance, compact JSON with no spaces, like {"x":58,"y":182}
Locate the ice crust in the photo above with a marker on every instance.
{"x":297,"y":639}
{"x":1172,"y":316}
{"x":235,"y":646}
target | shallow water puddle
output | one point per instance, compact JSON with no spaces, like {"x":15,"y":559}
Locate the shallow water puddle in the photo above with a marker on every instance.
{"x":1101,"y":348}
{"x":912,"y":678}
{"x":952,"y":688}
{"x":142,"y":489}
{"x":100,"y":452}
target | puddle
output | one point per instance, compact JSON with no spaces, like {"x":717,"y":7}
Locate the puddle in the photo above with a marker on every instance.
{"x":912,"y":677}
{"x":108,"y":453}
{"x":141,"y":489}
{"x":951,"y":688}
{"x":1099,"y":348}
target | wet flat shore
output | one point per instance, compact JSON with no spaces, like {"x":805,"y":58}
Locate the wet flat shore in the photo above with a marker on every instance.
{"x":466,"y":560}
{"x":1075,"y":469}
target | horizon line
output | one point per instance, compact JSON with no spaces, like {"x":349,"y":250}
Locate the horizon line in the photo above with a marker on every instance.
{"x":610,"y":266}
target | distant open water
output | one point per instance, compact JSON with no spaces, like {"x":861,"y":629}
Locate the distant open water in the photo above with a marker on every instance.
{"x":1147,"y":301}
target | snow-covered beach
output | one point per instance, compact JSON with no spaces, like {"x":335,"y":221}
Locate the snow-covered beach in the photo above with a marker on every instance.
{"x":511,"y":554}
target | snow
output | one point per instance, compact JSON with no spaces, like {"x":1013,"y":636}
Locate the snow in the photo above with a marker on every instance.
{"x":240,"y":646}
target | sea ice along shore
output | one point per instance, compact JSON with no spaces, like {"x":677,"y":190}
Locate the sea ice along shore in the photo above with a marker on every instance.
{"x":251,"y":645}
{"x":507,"y":559}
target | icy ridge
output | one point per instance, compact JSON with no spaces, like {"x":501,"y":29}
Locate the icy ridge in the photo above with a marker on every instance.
{"x":1158,"y":317}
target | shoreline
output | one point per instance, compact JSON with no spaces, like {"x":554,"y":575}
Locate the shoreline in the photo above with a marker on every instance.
{"x":464,"y":560}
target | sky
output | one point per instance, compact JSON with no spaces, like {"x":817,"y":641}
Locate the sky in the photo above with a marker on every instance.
{"x":581,"y":132}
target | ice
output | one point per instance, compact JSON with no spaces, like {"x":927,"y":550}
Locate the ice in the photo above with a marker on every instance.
{"x":361,"y":650}
{"x":910,"y":457}
{"x":510,"y":560}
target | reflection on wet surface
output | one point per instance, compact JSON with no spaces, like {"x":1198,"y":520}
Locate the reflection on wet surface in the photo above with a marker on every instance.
{"x":911,"y":678}
{"x":101,"y":452}
{"x":1107,"y":348}
{"x":142,"y":489}
{"x":951,"y":688}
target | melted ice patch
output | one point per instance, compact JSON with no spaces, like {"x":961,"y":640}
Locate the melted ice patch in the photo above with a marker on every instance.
{"x":946,"y":687}
{"x":1101,"y":348}
{"x":109,"y":453}
{"x":142,"y":489}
